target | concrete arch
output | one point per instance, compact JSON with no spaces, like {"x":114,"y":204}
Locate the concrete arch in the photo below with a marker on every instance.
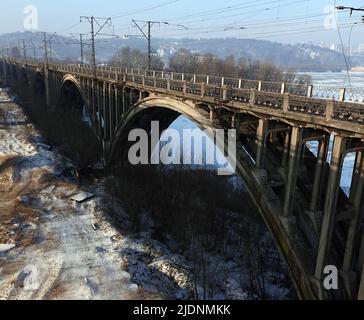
{"x":245,"y":170}
{"x":69,"y":81}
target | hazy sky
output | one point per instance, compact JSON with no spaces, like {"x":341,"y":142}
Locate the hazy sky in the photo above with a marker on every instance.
{"x":277,"y":20}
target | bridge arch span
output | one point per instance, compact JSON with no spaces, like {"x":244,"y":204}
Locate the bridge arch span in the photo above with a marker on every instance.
{"x":72,"y":98}
{"x":156,"y":106}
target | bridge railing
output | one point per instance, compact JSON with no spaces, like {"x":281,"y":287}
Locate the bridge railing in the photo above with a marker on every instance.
{"x":352,"y":95}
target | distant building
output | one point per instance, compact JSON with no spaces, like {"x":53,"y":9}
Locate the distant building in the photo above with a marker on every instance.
{"x":361,"y":48}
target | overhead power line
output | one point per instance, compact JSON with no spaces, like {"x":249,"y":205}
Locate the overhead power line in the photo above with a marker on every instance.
{"x":162,"y":4}
{"x":100,"y":24}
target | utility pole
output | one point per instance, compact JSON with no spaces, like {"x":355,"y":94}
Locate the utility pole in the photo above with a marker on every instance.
{"x":46,"y":41}
{"x":24,"y":51}
{"x":81,"y":45}
{"x":148,"y":36}
{"x":34,"y":55}
{"x":101,"y":23}
{"x":45,"y":49}
{"x":149,"y":45}
{"x":50,"y":51}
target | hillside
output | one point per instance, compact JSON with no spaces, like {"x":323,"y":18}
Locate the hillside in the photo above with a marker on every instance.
{"x":302,"y":57}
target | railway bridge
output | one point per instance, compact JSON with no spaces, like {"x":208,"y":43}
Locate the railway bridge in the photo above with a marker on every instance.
{"x":296,"y":189}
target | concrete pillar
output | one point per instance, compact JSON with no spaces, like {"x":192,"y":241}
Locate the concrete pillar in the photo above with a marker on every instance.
{"x":361,"y":287}
{"x":99,"y":106}
{"x":123,"y":100}
{"x":283,"y":88}
{"x":286,"y":102}
{"x":111,"y":111}
{"x":212,"y":115}
{"x":360,"y":262}
{"x":342,"y":94}
{"x":184,"y":87}
{"x":294,"y":159}
{"x":330,"y":109}
{"x":224,"y":93}
{"x":330,"y":205}
{"x":287,"y":141}
{"x":260,"y":86}
{"x":105,"y":131}
{"x":356,"y":174}
{"x":320,"y":165}
{"x":130,"y":98}
{"x":203,"y":90}
{"x":348,"y":264}
{"x":47,"y":89}
{"x":260,"y":142}
{"x":117,"y":106}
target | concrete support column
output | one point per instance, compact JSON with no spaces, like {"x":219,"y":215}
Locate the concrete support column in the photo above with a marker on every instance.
{"x":111,"y":111}
{"x":117,"y":106}
{"x":99,"y":106}
{"x":184,"y":87}
{"x":92,"y":101}
{"x":356,"y":175}
{"x":287,"y":141}
{"x":260,"y":141}
{"x":203,"y":90}
{"x":212,"y":114}
{"x":348,"y":264}
{"x":104,"y":111}
{"x":294,"y":159}
{"x":47,"y":89}
{"x":361,"y":287}
{"x":130,"y":98}
{"x":330,"y":205}
{"x":320,"y":165}
{"x":360,"y":262}
{"x":123,"y":98}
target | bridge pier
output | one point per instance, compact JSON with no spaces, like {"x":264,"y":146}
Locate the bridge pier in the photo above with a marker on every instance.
{"x":327,"y":228}
{"x":361,"y":287}
{"x":313,"y":213}
{"x":47,"y":89}
{"x":294,"y":159}
{"x":355,"y":215}
{"x":117,"y":107}
{"x":286,"y":145}
{"x":261,"y":142}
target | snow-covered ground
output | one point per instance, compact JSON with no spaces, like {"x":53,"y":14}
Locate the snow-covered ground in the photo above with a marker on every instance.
{"x":49,"y":248}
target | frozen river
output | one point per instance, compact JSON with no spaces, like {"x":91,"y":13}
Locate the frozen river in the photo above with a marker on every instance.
{"x":338,"y":79}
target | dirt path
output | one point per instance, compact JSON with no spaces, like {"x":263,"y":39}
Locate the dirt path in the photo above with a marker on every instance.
{"x":48,"y":246}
